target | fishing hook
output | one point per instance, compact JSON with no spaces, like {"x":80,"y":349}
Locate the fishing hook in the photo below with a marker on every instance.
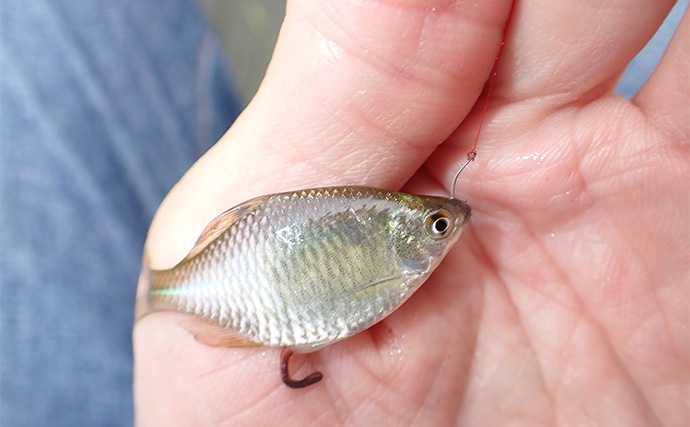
{"x":470,"y":156}
{"x":310,"y":379}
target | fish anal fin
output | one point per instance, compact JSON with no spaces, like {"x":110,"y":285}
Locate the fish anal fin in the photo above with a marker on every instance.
{"x":214,"y":335}
{"x":220,"y":224}
{"x":309,"y":348}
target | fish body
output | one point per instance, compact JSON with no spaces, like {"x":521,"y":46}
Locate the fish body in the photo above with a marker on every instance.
{"x":308,"y":268}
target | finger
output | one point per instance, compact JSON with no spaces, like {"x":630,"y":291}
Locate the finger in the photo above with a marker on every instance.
{"x":564,"y":50}
{"x":357,"y":92}
{"x":665,"y":98}
{"x":557,"y":54}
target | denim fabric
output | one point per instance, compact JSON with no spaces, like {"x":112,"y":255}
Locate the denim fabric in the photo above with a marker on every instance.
{"x":104,"y":106}
{"x":644,"y":63}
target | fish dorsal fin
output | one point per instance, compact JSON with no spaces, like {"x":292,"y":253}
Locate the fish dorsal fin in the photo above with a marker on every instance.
{"x":214,"y":335}
{"x":220,"y":224}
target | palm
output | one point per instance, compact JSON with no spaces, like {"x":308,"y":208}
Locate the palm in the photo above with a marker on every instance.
{"x":565,"y":300}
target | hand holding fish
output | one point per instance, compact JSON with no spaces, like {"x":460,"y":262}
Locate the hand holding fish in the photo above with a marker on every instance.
{"x":564,"y":300}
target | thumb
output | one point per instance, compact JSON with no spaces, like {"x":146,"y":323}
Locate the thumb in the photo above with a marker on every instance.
{"x":356,"y":93}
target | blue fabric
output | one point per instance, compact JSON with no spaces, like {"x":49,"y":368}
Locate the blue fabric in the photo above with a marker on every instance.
{"x":104,"y":106}
{"x":643,"y":64}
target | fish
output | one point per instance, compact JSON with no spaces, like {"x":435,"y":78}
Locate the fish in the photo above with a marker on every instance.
{"x":305,"y":269}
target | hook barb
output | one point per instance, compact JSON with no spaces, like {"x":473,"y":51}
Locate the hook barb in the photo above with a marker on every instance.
{"x":310,"y":379}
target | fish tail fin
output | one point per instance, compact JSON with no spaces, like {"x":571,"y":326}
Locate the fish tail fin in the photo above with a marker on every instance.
{"x":142,"y":305}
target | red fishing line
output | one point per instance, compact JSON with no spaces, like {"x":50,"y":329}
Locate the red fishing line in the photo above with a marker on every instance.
{"x":473,"y":152}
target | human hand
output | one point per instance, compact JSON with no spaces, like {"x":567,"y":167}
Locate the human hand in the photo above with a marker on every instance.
{"x":566,"y":299}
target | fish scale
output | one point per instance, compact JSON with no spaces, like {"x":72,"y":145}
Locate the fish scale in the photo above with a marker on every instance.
{"x":307,"y":268}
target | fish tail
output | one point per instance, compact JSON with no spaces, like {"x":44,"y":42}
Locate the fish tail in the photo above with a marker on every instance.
{"x":142,"y":306}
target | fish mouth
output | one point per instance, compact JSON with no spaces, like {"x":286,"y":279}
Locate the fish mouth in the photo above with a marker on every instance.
{"x":461,"y":210}
{"x":466,"y":213}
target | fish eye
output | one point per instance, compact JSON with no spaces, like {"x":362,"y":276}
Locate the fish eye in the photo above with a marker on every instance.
{"x":438,"y":223}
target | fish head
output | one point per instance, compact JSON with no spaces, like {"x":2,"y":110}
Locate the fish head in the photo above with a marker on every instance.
{"x":425,"y":232}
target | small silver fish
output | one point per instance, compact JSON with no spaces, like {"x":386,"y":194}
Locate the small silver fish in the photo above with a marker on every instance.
{"x":305,"y":269}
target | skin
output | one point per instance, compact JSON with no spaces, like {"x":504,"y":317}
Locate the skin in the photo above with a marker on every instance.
{"x":565,"y":302}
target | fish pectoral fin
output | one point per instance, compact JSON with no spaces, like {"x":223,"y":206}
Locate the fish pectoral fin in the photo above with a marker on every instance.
{"x":221,"y":223}
{"x":375,"y":283}
{"x":215,"y":335}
